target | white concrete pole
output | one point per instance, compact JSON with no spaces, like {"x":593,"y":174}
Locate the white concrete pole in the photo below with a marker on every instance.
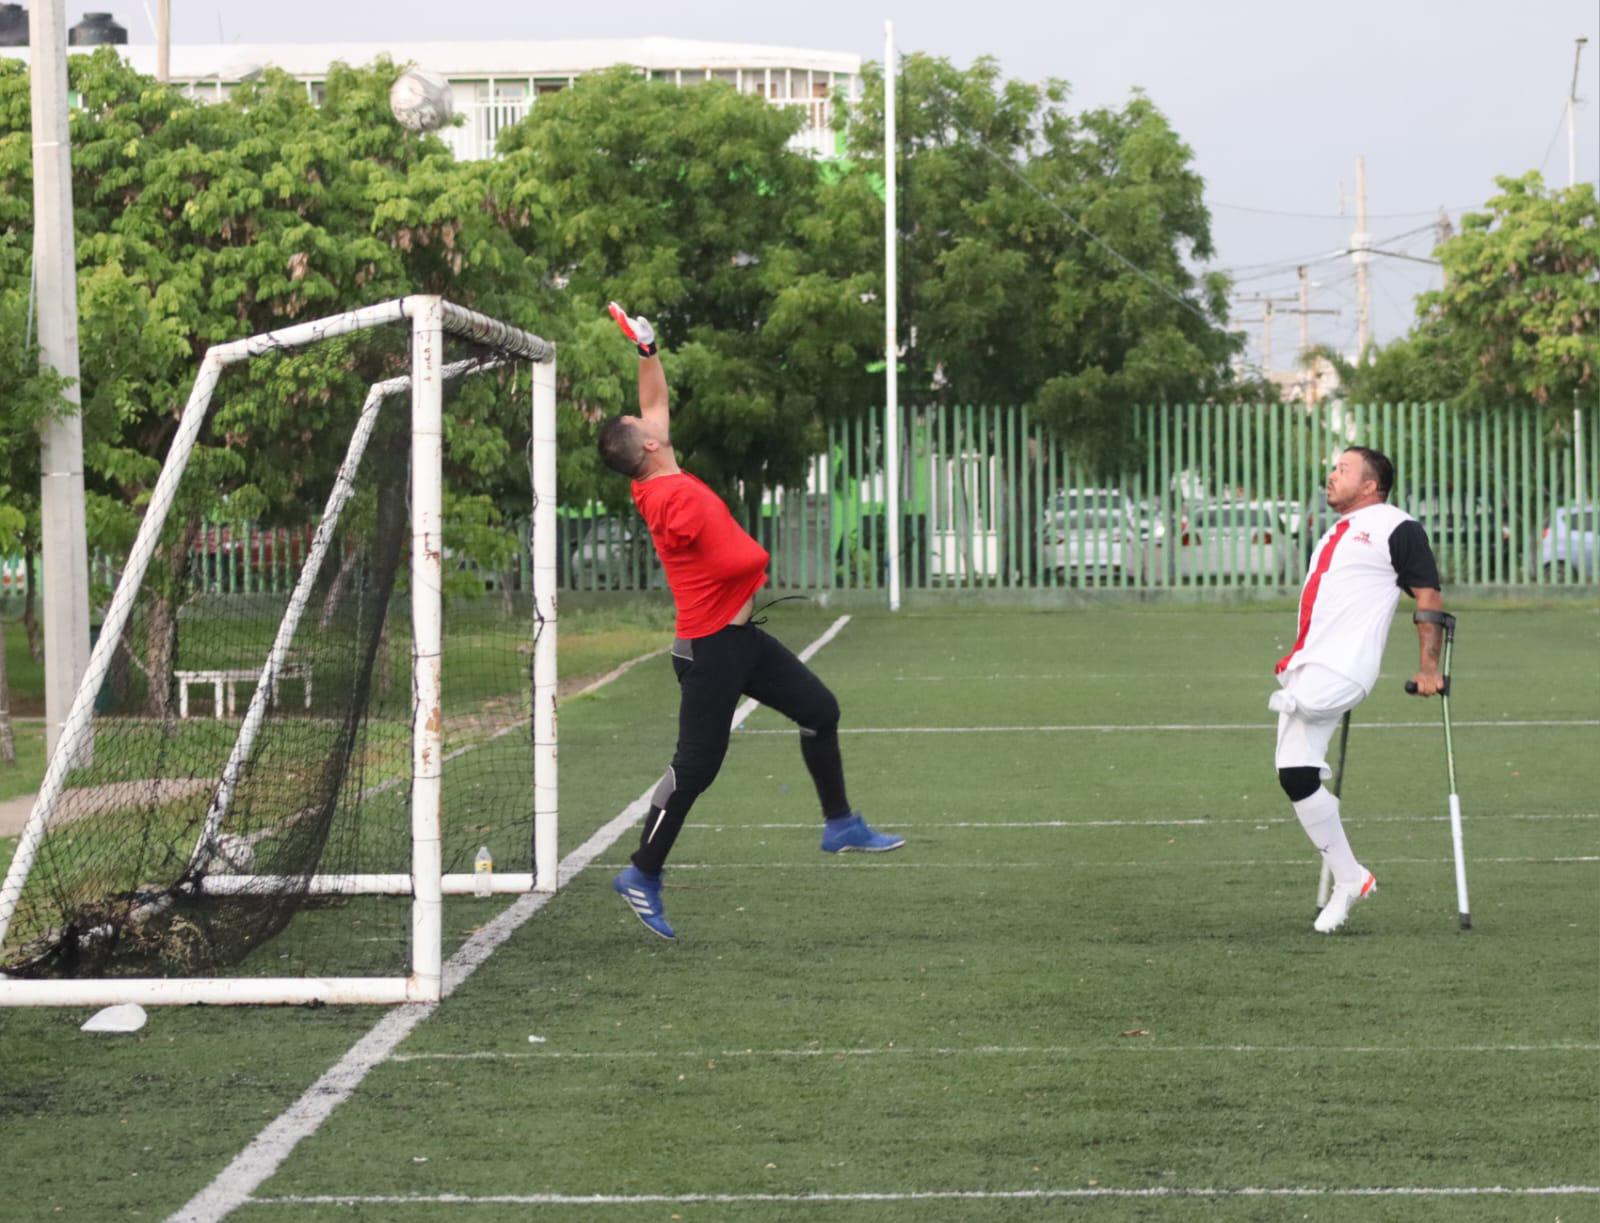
{"x":64,"y":551}
{"x":163,"y":40}
{"x":891,"y":324}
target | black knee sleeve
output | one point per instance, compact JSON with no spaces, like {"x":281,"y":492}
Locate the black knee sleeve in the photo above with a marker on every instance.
{"x":1301,"y":782}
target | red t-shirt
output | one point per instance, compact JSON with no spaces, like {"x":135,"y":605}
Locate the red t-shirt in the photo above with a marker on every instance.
{"x":712,"y":565}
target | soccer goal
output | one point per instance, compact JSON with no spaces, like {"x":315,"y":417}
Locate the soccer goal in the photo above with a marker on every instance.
{"x":286,"y":726}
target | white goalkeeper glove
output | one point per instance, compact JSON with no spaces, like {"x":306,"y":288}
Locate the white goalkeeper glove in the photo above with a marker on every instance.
{"x":636,"y":329}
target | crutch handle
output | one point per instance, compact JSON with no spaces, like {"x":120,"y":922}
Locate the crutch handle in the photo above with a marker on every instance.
{"x":1411,"y":687}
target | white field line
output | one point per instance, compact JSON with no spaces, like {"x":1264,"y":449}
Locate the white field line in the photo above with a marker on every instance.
{"x":616,"y":673}
{"x":1068,"y":676}
{"x":1199,"y":822}
{"x":1138,"y":1047}
{"x":1111,"y":728}
{"x":926,"y":1195}
{"x":234,"y":1185}
{"x":874,"y":862}
{"x":1064,"y":676}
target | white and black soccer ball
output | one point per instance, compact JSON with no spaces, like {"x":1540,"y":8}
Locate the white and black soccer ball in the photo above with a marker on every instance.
{"x":421,"y":100}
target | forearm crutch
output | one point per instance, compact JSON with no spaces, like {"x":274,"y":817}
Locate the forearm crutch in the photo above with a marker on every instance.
{"x":1447,"y":624}
{"x":1325,"y":880}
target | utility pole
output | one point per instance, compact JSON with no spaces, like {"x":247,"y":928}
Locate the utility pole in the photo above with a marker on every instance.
{"x":163,"y":40}
{"x":1305,"y":312}
{"x":1267,"y":304}
{"x":1572,"y":106}
{"x":61,"y":503}
{"x":1269,"y":311}
{"x":1360,"y":241}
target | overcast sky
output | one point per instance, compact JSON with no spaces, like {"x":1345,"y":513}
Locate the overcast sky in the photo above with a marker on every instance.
{"x":1276,"y":99}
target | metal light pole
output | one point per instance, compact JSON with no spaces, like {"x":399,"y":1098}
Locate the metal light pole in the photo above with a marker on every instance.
{"x":891,"y":325}
{"x":63,"y":548}
{"x":1572,"y":180}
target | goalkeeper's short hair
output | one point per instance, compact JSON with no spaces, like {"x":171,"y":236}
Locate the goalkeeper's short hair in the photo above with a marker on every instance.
{"x":621,"y":447}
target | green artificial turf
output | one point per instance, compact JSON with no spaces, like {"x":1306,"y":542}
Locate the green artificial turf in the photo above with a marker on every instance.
{"x":1091,"y":968}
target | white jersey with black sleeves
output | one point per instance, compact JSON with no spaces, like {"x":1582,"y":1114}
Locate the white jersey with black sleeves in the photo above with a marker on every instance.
{"x":1351,"y":592}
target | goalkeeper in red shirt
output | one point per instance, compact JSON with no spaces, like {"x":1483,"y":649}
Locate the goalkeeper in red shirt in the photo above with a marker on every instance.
{"x":714,"y":570}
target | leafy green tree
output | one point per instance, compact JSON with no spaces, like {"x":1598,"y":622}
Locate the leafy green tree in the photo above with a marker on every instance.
{"x":1518,"y":319}
{"x":688,"y":206}
{"x":1520,"y":308}
{"x":1020,"y":221}
{"x":198,"y":224}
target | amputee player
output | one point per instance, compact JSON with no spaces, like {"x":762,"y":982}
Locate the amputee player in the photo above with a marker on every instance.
{"x":714,"y":570}
{"x":1358,"y":569}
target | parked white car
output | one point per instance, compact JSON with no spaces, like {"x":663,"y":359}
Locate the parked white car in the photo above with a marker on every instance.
{"x":1094,"y":531}
{"x":1236,"y":539}
{"x":1570,"y":543}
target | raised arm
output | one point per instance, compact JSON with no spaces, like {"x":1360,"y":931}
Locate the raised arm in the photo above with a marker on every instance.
{"x":652,"y":378}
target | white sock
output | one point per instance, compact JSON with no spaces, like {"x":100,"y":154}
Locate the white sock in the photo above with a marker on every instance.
{"x":1319,"y":816}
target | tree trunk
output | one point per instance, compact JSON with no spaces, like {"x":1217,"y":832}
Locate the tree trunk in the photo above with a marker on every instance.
{"x":8,"y":744}
{"x":349,"y":560}
{"x":161,"y":650}
{"x":30,"y":616}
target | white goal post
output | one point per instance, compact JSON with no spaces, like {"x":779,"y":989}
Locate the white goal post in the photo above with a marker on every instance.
{"x":431,"y":320}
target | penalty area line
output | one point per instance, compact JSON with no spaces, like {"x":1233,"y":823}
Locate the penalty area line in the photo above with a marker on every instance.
{"x":875,"y":862}
{"x":1196,"y":822}
{"x":234,"y":1185}
{"x":926,"y":1195}
{"x":1129,"y":728}
{"x":1138,"y":1048}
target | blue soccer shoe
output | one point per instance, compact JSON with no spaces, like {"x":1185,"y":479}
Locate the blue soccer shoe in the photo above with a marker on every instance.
{"x":850,"y":834}
{"x":643,"y":895}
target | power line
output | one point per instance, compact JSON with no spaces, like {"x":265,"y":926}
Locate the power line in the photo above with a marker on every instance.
{"x":1340,"y":216}
{"x":1555,"y":136}
{"x":1273,"y":267}
{"x":1081,"y":227}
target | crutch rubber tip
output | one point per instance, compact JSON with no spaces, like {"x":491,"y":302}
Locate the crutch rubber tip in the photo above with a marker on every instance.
{"x":1466,"y":921}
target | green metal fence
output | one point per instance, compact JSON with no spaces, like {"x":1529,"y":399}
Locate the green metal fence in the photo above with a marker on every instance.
{"x":1223,"y":496}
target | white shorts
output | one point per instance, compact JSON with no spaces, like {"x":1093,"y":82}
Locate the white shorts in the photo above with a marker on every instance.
{"x":1309,"y":705}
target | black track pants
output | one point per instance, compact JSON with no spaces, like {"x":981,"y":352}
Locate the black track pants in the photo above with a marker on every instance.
{"x":713,"y":674}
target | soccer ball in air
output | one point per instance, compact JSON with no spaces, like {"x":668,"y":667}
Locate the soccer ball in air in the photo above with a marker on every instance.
{"x":421,"y":100}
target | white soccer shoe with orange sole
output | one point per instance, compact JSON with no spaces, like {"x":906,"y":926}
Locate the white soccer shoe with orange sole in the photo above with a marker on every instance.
{"x":1337,"y":911}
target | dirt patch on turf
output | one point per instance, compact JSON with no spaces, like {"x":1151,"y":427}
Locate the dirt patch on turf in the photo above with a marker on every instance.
{"x":76,"y":804}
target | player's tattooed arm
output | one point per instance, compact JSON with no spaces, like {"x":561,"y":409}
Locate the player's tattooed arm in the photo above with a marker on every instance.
{"x":1430,"y":642}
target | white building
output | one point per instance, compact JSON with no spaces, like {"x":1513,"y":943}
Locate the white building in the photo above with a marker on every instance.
{"x":496,"y":82}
